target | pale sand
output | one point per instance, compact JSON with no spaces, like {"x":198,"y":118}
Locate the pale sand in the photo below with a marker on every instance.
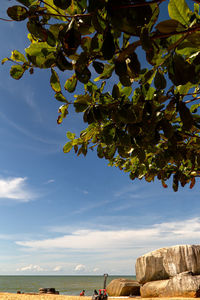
{"x":7,"y":296}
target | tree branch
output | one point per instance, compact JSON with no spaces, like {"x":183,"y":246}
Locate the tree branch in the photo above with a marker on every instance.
{"x":138,"y":4}
{"x":191,"y":100}
{"x":2,"y":19}
{"x":126,"y":52}
{"x":44,"y":2}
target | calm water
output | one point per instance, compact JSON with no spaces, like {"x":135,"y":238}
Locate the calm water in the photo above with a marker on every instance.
{"x":69,"y":285}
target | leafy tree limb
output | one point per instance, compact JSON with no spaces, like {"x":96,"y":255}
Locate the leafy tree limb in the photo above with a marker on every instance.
{"x":147,"y":125}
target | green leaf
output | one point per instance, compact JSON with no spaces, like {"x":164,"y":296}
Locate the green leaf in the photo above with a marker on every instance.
{"x":70,"y":135}
{"x":190,"y":45}
{"x":107,"y":73}
{"x":120,"y":68}
{"x":196,"y":8}
{"x":17,"y":13}
{"x":185,"y":115}
{"x":55,"y":82}
{"x":85,"y":25}
{"x":86,"y":43}
{"x":180,"y":71}
{"x":82,"y":102}
{"x":27,"y":2}
{"x":125,"y":91}
{"x":133,"y":65}
{"x":4,"y":60}
{"x":63,"y":4}
{"x":169,"y":26}
{"x":17,"y":71}
{"x":160,"y":81}
{"x":98,"y":66}
{"x":83,"y":75}
{"x":108,"y":47}
{"x":100,"y":151}
{"x":55,"y":12}
{"x":18,"y":56}
{"x":60,"y":97}
{"x":179,"y":10}
{"x":70,"y":38}
{"x":62,"y":63}
{"x":70,"y":84}
{"x":63,"y":109}
{"x":68,"y":146}
{"x":175,"y":182}
{"x":145,"y":39}
{"x":115,"y":91}
{"x":125,"y":80}
{"x":41,"y":55}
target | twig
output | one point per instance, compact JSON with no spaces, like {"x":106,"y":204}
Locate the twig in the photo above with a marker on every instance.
{"x":138,"y":4}
{"x":53,"y":8}
{"x":197,"y":1}
{"x":189,"y":94}
{"x":138,"y":43}
{"x":191,"y":100}
{"x":2,"y":19}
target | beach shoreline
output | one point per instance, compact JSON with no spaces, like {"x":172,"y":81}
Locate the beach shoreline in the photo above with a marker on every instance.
{"x":12,"y":296}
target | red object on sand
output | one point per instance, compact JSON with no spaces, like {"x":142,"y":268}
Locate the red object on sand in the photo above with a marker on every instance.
{"x":102,"y":292}
{"x":82,"y":293}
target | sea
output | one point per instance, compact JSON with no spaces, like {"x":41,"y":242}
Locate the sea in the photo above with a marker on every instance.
{"x":66,"y":285}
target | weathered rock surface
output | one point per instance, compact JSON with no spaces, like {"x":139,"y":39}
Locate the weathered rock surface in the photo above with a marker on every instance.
{"x":166,"y":262}
{"x":123,"y":287}
{"x":48,"y":291}
{"x":181,"y":285}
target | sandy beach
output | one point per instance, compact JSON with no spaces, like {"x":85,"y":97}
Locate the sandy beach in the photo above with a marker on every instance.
{"x":7,"y":296}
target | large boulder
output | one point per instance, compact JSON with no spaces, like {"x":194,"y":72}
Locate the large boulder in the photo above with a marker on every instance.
{"x":181,"y":285}
{"x":123,"y":287}
{"x":154,"y":289}
{"x":166,"y":262}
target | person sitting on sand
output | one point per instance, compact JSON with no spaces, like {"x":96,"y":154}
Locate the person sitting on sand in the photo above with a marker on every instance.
{"x":82,"y":293}
{"x":95,"y":292}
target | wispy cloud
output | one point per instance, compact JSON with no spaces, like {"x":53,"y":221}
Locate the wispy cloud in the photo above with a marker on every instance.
{"x":85,"y":192}
{"x":155,"y":236}
{"x":132,"y":190}
{"x":15,"y":189}
{"x":26,"y":132}
{"x":49,"y":181}
{"x":93,"y":205}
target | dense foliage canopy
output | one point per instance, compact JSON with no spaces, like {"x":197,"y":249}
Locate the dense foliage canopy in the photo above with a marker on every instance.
{"x":149,"y":123}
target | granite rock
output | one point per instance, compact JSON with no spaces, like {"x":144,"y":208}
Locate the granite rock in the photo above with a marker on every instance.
{"x":182,"y":285}
{"x":123,"y":287}
{"x":166,"y":262}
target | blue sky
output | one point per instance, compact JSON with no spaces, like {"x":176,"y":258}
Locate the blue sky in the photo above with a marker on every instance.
{"x":62,"y":214}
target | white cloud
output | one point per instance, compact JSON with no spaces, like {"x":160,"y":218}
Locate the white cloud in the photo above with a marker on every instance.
{"x":32,"y":268}
{"x":155,"y":236}
{"x":57,"y":269}
{"x":50,"y":181}
{"x":95,"y":270}
{"x":80,"y":267}
{"x":16,"y":189}
{"x":85,"y":192}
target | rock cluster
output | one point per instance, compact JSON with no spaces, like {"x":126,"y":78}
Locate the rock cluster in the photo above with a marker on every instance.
{"x":170,"y":272}
{"x":48,"y":291}
{"x":182,"y":285}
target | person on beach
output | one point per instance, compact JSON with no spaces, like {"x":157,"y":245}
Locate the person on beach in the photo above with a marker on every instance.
{"x":82,"y":293}
{"x":95,"y":292}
